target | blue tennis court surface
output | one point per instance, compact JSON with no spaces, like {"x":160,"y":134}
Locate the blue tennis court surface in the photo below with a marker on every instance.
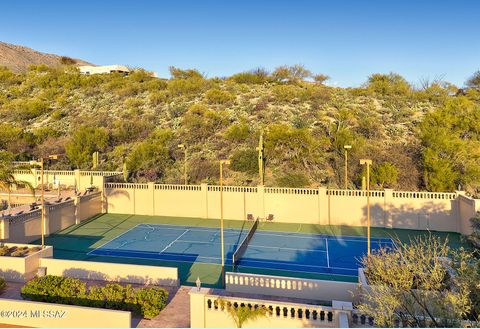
{"x":314,"y":253}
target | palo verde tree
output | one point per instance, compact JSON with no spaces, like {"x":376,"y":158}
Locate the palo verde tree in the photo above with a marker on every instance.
{"x":418,"y":284}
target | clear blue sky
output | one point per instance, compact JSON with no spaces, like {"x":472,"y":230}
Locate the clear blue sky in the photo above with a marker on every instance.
{"x":347,"y":40}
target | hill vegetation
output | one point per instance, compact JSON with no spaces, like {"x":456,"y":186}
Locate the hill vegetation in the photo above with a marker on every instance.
{"x":419,"y":138}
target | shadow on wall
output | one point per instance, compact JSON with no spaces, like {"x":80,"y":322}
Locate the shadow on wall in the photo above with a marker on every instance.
{"x":80,"y":273}
{"x":429,"y":216}
{"x":11,"y":275}
{"x":111,"y":206}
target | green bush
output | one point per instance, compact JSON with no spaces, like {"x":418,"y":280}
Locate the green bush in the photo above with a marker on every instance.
{"x":2,"y":285}
{"x":245,"y":161}
{"x":293,"y":180}
{"x":238,"y":132}
{"x":217,"y":96}
{"x":147,"y":302}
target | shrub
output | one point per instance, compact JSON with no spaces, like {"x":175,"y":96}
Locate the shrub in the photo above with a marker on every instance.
{"x":293,"y":180}
{"x":217,"y":96}
{"x":288,"y":93}
{"x":245,"y":161}
{"x":257,"y":76}
{"x":2,"y":285}
{"x":150,"y":300}
{"x":65,"y":60}
{"x":238,"y":132}
{"x":147,"y":302}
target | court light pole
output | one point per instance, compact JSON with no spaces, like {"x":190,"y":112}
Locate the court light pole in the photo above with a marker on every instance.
{"x":368,"y":163}
{"x":259,"y":148}
{"x":222,"y":162}
{"x":42,"y":197}
{"x":184,"y":148}
{"x":346,"y":147}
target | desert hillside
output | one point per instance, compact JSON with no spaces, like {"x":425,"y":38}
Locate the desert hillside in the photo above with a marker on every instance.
{"x":419,"y":138}
{"x":18,"y":58}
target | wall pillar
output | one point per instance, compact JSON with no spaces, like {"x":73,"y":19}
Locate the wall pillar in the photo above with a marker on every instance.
{"x":204,"y":190}
{"x":344,"y":312}
{"x":35,"y":178}
{"x":4,"y":229}
{"x":261,"y":200}
{"x":387,"y":205}
{"x":76,"y":202}
{"x":322,"y":206}
{"x":151,"y":188}
{"x":197,"y":307}
{"x":77,"y":177}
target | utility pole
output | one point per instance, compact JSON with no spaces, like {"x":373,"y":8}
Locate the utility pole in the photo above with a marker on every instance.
{"x":346,"y":147}
{"x":260,"y":158}
{"x":368,"y":162}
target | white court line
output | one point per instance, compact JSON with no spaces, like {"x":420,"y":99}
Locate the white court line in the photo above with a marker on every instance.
{"x":113,"y":239}
{"x":274,"y":233}
{"x":251,"y":245}
{"x":171,"y":243}
{"x":328,"y":254}
{"x":256,"y":261}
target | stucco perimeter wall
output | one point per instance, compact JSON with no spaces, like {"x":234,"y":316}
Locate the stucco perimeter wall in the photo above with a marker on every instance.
{"x":127,"y":273}
{"x":60,"y":216}
{"x":270,"y":285}
{"x":46,"y":315}
{"x":468,"y":208}
{"x":88,"y":206}
{"x":67,"y":178}
{"x":390,"y":209}
{"x":21,"y":269}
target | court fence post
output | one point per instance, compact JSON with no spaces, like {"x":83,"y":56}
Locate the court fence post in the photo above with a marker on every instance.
{"x":151,"y":188}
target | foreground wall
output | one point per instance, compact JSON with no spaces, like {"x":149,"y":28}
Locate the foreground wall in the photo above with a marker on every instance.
{"x":46,"y":315}
{"x":206,"y":312}
{"x":269,"y":285}
{"x":126,"y":273}
{"x":389,"y":209}
{"x":22,"y":269}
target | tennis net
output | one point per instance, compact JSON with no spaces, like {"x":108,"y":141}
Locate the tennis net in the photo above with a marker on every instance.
{"x":244,"y":244}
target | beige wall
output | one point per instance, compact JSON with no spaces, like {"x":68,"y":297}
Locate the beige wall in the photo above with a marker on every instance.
{"x":21,"y":269}
{"x":46,"y":315}
{"x":290,"y":287}
{"x":204,"y":314}
{"x":468,"y":208}
{"x":60,"y":216}
{"x":27,"y":227}
{"x":88,"y":206}
{"x":390,"y":209}
{"x":68,"y":178}
{"x":127,"y":273}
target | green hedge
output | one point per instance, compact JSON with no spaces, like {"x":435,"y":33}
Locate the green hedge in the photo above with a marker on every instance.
{"x":147,"y":302}
{"x":2,"y":284}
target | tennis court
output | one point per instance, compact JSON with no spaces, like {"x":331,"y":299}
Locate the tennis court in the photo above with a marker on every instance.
{"x":296,"y":252}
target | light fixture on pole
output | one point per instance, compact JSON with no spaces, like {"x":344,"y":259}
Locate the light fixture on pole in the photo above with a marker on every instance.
{"x":346,"y":147}
{"x":368,"y":163}
{"x":41,"y":164}
{"x":184,"y":148}
{"x":222,"y":162}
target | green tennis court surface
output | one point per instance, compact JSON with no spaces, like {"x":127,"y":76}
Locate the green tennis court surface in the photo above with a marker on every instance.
{"x":100,"y":239}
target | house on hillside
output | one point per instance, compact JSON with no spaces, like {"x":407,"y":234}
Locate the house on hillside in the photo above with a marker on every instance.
{"x":88,"y":69}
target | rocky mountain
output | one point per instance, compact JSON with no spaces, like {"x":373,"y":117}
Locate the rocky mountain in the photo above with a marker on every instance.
{"x":18,"y":58}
